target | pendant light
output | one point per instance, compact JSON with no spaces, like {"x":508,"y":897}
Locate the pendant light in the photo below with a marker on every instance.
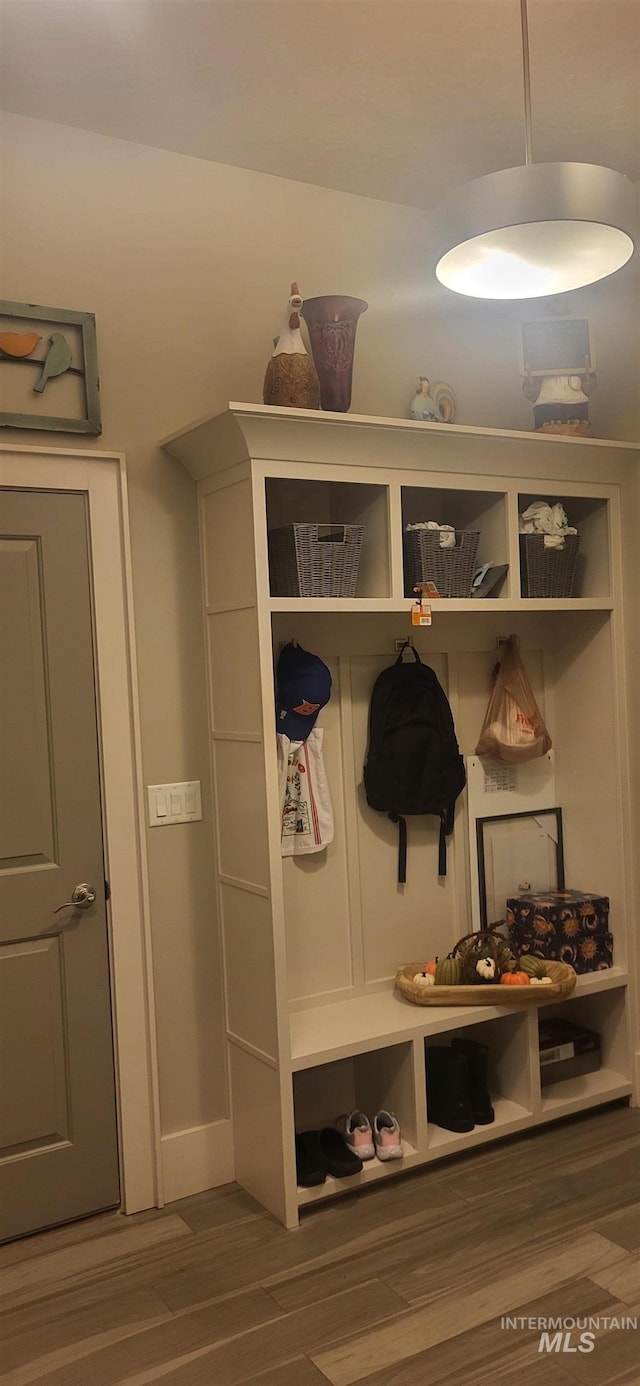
{"x":537,"y":229}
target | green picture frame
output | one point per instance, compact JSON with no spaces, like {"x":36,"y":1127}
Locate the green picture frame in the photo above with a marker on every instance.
{"x":90,"y":420}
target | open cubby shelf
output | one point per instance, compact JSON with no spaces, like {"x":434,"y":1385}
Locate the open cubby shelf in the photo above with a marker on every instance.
{"x":385,"y":510}
{"x":331,"y":505}
{"x":590,"y":516}
{"x":371,"y":1173}
{"x":574,"y":1094}
{"x":509,"y":1118}
{"x":471,"y":513}
{"x":311,"y":944}
{"x":606,"y":1013}
{"x":394,"y":1076}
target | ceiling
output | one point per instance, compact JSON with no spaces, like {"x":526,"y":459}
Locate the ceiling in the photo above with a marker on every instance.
{"x":393,"y":99}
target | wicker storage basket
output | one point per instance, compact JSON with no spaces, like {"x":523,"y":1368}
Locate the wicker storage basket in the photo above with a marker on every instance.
{"x":450,"y":569}
{"x":314,"y":560}
{"x":546,"y":572}
{"x":563,"y":980}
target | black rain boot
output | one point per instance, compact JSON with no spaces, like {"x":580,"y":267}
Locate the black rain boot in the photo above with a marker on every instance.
{"x":477,"y":1057}
{"x":448,"y":1098}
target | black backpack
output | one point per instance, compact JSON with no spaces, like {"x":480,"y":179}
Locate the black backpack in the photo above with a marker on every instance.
{"x":413,"y":761}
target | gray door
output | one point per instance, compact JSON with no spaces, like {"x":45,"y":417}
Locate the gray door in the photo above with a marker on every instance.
{"x":58,"y":1143}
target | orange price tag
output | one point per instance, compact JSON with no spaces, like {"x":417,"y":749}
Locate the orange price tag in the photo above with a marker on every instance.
{"x":421,"y":614}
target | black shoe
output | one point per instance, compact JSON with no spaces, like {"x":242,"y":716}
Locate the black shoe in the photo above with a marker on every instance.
{"x":340,"y":1161}
{"x":311,"y":1166}
{"x":477,"y":1056}
{"x":448,"y":1097}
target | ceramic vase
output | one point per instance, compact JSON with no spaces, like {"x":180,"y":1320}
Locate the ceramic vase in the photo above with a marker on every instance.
{"x":332,"y":320}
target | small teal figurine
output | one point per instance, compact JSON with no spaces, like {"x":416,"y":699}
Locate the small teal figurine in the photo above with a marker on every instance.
{"x":56,"y":362}
{"x":423,"y":407}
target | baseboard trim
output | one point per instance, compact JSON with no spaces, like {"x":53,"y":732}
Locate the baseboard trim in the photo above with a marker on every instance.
{"x":196,"y":1159}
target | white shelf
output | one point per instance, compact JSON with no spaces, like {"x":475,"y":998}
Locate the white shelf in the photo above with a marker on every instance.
{"x":381,"y":1018}
{"x":371,"y":1173}
{"x":605,"y":980}
{"x":574,"y":1094}
{"x":441,"y":605}
{"x":510,"y":1117}
{"x":334,"y":1031}
{"x":203,"y":434}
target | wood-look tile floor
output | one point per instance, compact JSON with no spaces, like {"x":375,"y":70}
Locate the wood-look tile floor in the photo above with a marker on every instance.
{"x":401,"y":1285}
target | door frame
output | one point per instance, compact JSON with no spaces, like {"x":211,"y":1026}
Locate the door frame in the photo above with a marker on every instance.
{"x":102,"y":478}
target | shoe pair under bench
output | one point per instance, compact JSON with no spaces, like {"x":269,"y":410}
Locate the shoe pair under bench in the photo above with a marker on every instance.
{"x":340,"y":1150}
{"x":366,"y":1139}
{"x":457,"y":1090}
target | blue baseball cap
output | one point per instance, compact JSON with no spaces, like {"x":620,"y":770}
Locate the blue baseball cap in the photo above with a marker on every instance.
{"x":304,"y":686}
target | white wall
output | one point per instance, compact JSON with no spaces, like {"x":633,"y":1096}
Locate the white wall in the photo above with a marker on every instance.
{"x":187,"y":266}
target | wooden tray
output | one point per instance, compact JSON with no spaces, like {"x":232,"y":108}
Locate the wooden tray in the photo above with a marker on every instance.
{"x":563,"y":980}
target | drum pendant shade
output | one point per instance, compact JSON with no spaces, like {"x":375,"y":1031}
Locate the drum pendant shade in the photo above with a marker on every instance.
{"x":537,"y":229}
{"x":534,"y":230}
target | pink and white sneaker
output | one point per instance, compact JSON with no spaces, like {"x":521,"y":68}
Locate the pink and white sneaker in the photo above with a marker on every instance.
{"x":386,"y":1135}
{"x":355,"y":1129}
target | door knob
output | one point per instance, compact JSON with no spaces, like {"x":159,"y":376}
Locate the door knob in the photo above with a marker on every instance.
{"x":82,"y":898}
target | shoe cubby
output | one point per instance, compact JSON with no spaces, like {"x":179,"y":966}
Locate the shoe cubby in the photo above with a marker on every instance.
{"x":590,"y":516}
{"x":330,"y":505}
{"x":509,"y":1079}
{"x":470,"y":512}
{"x":605,"y":1013}
{"x":369,"y":1082}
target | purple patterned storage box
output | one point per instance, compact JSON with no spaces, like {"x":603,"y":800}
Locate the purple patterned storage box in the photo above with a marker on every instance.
{"x":569,"y":926}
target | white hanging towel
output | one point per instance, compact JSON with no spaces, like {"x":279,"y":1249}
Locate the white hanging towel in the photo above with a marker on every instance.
{"x":305,"y":802}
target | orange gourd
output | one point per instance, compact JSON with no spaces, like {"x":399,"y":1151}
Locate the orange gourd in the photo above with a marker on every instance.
{"x":515,"y":979}
{"x":431,"y":968}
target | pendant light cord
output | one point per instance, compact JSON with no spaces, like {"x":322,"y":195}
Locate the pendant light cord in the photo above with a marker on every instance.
{"x":524,"y":25}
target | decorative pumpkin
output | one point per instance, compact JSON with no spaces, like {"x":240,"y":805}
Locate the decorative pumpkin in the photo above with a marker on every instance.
{"x":424,"y":979}
{"x":486,"y":969}
{"x":515,"y":979}
{"x":431,"y":967}
{"x":448,"y":972}
{"x":541,"y":981}
{"x":477,"y":947}
{"x":534,"y":967}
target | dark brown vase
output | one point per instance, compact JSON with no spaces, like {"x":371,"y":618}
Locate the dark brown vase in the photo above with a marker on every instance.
{"x":332,"y":320}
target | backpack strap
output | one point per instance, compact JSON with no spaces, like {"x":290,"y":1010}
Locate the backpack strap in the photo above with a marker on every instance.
{"x":402,"y":846}
{"x":408,"y":646}
{"x":442,"y":847}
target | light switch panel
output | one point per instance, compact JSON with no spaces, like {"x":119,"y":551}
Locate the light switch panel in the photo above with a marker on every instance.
{"x":174,"y":803}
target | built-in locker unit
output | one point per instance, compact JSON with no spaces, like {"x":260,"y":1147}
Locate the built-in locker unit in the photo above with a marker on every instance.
{"x":311,"y":944}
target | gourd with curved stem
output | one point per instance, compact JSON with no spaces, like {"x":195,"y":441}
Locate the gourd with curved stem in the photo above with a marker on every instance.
{"x":448,"y":972}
